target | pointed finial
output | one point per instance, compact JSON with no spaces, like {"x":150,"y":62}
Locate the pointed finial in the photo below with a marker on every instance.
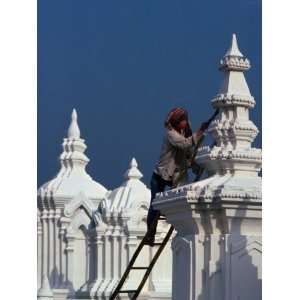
{"x":74,"y":114}
{"x":45,"y":291}
{"x":133,"y":163}
{"x":234,"y":49}
{"x":133,"y":172}
{"x":74,"y":131}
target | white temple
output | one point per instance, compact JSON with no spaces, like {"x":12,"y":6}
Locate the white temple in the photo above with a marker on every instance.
{"x":87,"y":234}
{"x":217,"y":249}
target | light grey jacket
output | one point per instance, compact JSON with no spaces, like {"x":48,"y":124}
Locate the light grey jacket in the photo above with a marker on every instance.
{"x":176,"y":154}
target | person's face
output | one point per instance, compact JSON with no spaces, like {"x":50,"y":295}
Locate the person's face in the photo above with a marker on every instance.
{"x":182,"y":125}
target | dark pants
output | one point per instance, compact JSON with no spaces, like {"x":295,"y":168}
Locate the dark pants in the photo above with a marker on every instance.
{"x":157,"y":185}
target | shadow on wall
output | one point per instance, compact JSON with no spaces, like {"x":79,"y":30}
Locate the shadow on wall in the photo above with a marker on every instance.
{"x":236,"y":275}
{"x":85,"y":238}
{"x":56,"y":280}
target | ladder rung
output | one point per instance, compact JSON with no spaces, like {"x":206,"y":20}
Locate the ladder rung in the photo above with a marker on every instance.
{"x":135,"y":293}
{"x":126,"y":291}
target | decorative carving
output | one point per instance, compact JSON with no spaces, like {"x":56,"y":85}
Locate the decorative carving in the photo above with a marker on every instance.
{"x":234,"y":63}
{"x":72,"y":177}
{"x":226,"y":205}
{"x":227,"y":100}
{"x":232,"y":130}
{"x":86,"y":203}
{"x":130,"y":201}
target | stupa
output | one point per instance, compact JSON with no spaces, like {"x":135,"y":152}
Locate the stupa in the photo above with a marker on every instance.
{"x":67,"y":215}
{"x":87,"y":234}
{"x":124,"y":214}
{"x":217,"y":249}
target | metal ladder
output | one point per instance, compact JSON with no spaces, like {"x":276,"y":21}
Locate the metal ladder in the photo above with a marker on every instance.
{"x":135,"y":293}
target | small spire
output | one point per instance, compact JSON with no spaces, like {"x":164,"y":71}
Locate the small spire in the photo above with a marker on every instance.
{"x":133,"y":172}
{"x":133,"y":163}
{"x":234,"y":49}
{"x":74,"y":131}
{"x":45,"y":291}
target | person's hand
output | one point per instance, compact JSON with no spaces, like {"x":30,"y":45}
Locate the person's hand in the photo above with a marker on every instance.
{"x":204,"y":126}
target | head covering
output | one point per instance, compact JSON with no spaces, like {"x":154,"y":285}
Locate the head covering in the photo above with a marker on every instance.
{"x":175,"y":116}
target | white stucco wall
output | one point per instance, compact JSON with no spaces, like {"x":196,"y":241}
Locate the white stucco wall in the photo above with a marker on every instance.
{"x":87,"y":235}
{"x":217,"y":249}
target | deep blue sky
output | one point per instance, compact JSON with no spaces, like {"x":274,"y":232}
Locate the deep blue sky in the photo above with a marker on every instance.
{"x":124,"y":64}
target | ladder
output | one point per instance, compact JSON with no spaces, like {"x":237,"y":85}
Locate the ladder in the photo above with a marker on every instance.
{"x":133,"y":294}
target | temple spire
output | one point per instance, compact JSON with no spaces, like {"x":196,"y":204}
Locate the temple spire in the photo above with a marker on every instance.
{"x":234,"y":49}
{"x":74,"y":131}
{"x":232,"y":130}
{"x":234,"y":60}
{"x":130,"y":196}
{"x":234,"y":85}
{"x":74,"y":147}
{"x":133,"y":172}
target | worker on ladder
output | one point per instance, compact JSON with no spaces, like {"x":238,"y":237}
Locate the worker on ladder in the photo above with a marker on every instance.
{"x":177,"y":155}
{"x":175,"y":158}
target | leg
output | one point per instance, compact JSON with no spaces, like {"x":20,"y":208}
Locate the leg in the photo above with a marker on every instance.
{"x":157,"y":185}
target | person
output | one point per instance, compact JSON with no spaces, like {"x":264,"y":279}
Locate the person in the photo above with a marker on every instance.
{"x":175,"y":159}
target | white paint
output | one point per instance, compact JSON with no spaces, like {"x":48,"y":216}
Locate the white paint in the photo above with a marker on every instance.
{"x":45,"y":292}
{"x":217,"y":250}
{"x":74,"y":131}
{"x":124,"y":212}
{"x":67,"y":202}
{"x":234,"y":49}
{"x":86,"y":234}
{"x":72,"y":177}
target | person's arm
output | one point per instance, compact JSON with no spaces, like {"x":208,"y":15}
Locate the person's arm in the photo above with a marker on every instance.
{"x":198,"y":135}
{"x":179,"y":141}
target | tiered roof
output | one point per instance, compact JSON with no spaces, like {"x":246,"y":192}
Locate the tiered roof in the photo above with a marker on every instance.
{"x":233,"y":131}
{"x":72,"y":177}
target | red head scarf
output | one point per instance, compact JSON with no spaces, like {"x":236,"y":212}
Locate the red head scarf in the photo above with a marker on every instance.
{"x":175,"y":116}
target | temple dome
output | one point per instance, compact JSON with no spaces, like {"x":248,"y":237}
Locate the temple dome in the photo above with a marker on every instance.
{"x":131,"y":195}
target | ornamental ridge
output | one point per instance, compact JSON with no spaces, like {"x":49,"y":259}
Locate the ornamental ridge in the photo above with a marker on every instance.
{"x":234,"y":60}
{"x":232,"y":130}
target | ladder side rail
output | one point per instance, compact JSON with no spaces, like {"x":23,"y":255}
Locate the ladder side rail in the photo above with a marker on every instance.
{"x":127,"y":271}
{"x":131,"y":263}
{"x":155,"y":258}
